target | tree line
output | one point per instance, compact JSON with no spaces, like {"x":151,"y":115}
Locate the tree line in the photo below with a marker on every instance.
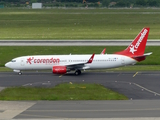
{"x":98,"y":3}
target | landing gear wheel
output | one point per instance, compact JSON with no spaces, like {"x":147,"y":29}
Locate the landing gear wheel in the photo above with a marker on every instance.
{"x":77,"y":72}
{"x":20,"y":73}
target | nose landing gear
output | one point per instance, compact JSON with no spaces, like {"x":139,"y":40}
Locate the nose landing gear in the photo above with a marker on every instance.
{"x":19,"y":73}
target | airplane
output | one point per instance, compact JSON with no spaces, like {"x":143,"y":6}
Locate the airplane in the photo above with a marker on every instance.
{"x":62,"y":64}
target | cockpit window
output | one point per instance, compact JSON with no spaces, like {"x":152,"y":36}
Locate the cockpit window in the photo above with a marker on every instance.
{"x":13,"y":61}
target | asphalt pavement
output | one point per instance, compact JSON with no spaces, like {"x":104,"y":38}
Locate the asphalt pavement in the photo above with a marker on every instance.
{"x":142,"y":89}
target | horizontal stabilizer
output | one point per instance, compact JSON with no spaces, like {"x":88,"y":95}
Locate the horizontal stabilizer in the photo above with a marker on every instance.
{"x":147,"y":54}
{"x":141,"y":57}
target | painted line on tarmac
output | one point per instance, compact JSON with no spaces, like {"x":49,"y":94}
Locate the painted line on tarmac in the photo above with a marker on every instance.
{"x":135,"y":74}
{"x":143,"y":88}
{"x":38,"y":116}
{"x":134,"y":118}
{"x":91,"y":110}
{"x":60,"y":76}
{"x":155,"y":93}
{"x":37,"y":83}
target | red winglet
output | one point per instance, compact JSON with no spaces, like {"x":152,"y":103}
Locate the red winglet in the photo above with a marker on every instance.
{"x":91,"y":59}
{"x":103,"y":52}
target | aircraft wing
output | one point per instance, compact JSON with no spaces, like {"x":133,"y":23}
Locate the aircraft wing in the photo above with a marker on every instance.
{"x":79,"y":65}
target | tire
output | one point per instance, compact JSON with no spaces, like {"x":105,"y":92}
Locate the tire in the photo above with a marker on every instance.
{"x":77,"y":72}
{"x":19,"y":73}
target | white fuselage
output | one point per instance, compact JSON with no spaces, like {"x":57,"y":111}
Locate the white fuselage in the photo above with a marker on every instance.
{"x":39,"y":62}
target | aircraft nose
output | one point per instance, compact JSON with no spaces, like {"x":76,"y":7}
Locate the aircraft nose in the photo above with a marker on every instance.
{"x":7,"y":64}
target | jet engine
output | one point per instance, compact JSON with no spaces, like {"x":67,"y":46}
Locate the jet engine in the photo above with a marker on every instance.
{"x":59,"y":69}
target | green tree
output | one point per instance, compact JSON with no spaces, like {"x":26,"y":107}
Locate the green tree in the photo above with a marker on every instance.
{"x":105,"y":3}
{"x":141,"y":2}
{"x":33,"y":1}
{"x":152,"y":3}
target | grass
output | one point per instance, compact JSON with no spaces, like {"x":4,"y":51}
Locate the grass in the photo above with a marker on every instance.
{"x":4,"y":69}
{"x":65,"y":91}
{"x":9,"y":52}
{"x":78,"y":23}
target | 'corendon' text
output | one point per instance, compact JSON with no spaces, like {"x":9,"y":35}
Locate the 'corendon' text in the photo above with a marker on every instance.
{"x":31,"y":60}
{"x":51,"y":60}
{"x":141,"y":38}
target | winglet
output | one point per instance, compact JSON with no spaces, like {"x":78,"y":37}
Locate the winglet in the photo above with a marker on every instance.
{"x":91,"y":59}
{"x":103,"y":52}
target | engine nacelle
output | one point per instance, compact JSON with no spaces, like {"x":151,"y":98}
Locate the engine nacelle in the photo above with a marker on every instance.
{"x":59,"y":69}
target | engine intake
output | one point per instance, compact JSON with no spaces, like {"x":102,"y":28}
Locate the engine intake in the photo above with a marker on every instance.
{"x":59,"y":69}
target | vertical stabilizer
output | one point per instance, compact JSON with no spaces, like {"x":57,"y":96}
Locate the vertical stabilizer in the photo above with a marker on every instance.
{"x":137,"y":47}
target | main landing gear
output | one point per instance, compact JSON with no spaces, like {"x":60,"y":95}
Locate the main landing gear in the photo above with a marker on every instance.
{"x":77,"y":72}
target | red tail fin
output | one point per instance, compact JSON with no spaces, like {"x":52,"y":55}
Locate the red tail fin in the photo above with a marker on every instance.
{"x":137,"y":47}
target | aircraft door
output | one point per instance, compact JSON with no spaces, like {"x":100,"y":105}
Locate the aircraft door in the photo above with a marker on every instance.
{"x":22,"y":62}
{"x":123,"y":60}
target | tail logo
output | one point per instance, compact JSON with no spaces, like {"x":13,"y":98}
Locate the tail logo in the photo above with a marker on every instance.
{"x":134,"y":48}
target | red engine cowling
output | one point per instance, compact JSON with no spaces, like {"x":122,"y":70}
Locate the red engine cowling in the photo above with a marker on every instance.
{"x":59,"y":69}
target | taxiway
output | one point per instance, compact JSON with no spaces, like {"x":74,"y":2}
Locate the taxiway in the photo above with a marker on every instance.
{"x":135,"y":85}
{"x":142,"y":88}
